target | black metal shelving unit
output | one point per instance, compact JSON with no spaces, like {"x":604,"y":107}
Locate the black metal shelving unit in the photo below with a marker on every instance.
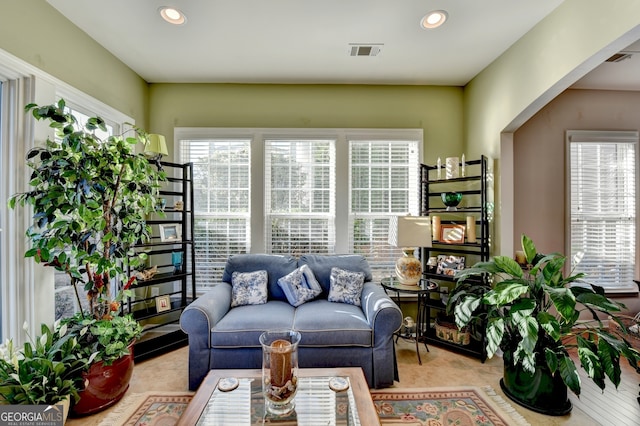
{"x":477,"y":202}
{"x":161,"y":323}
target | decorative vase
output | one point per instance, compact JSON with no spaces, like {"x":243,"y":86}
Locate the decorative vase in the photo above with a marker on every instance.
{"x":408,"y":267}
{"x":104,"y":385}
{"x":280,"y":370}
{"x":542,"y":391}
{"x":451,"y":199}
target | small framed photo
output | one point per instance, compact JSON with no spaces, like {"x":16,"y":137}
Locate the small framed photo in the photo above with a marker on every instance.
{"x":452,"y":233}
{"x":448,"y":265}
{"x":170,"y":232}
{"x":163,"y":303}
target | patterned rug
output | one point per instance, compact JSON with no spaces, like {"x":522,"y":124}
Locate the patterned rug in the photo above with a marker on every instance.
{"x":469,"y":406}
{"x":444,"y":407}
{"x":149,"y":409}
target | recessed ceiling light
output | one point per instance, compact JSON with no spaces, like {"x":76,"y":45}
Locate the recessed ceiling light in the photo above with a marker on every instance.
{"x":172,"y":15}
{"x":434,"y":19}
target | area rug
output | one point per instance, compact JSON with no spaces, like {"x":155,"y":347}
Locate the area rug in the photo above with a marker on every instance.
{"x":459,"y":406}
{"x":149,"y":409}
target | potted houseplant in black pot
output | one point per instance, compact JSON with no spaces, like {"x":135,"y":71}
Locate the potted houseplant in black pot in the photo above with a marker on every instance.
{"x":91,"y":196}
{"x":533,"y":314}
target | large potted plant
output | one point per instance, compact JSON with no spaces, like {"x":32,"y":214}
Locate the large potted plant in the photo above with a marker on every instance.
{"x":91,"y":195}
{"x":533,"y":314}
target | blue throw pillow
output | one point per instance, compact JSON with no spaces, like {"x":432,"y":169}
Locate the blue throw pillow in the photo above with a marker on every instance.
{"x":300,"y":286}
{"x":249,"y":288}
{"x":346,"y":286}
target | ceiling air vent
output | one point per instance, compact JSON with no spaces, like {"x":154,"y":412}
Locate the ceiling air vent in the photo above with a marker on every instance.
{"x":372,"y":49}
{"x":618,"y":57}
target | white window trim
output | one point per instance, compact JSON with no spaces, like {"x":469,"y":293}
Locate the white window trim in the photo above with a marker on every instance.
{"x":27,"y":291}
{"x":599,"y":136}
{"x":258,"y":135}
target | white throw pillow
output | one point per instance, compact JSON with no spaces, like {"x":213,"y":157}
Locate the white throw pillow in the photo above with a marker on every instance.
{"x":300,"y":286}
{"x":345,"y":286}
{"x":249,"y":288}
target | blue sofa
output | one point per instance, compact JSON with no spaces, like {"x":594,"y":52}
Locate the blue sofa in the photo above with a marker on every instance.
{"x":333,"y":334}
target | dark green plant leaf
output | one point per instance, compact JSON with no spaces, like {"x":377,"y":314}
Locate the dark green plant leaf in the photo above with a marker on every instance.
{"x":598,"y":302}
{"x":569,"y":373}
{"x":552,"y":360}
{"x":610,"y":361}
{"x":508,"y":265}
{"x":563,"y":300}
{"x":505,"y":292}
{"x":590,"y":361}
{"x":464,"y":310}
{"x":494,"y":335}
{"x":529,"y":248}
{"x":550,"y":325}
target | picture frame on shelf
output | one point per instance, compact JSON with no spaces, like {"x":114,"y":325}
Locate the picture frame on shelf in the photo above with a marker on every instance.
{"x":163,"y":303}
{"x":452,"y":233}
{"x":449,"y":264}
{"x":170,"y":232}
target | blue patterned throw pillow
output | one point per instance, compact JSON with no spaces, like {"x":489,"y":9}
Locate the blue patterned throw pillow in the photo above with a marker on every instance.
{"x":300,"y":286}
{"x":345,"y":286}
{"x":249,"y":288}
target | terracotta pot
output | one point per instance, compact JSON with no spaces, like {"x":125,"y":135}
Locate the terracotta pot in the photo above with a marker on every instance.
{"x":104,"y":385}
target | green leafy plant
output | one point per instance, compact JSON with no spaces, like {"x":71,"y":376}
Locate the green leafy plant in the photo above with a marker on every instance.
{"x":91,"y":195}
{"x":44,"y":371}
{"x":534,"y":317}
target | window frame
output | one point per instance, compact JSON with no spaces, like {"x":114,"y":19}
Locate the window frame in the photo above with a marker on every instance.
{"x":258,"y":136}
{"x":595,"y":136}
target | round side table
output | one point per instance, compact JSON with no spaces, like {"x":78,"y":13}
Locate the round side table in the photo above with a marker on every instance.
{"x":394,"y":288}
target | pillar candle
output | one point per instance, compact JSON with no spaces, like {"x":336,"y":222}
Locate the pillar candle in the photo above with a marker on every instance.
{"x":280,"y":364}
{"x":452,"y":165}
{"x":435,"y":228}
{"x":471,"y":229}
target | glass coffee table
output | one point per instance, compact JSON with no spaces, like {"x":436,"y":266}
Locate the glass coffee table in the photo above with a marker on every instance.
{"x":315,"y":402}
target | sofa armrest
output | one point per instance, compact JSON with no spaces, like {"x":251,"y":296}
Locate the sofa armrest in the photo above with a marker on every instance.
{"x":382,"y":313}
{"x":197,"y":320}
{"x":385,"y":318}
{"x":203,"y":313}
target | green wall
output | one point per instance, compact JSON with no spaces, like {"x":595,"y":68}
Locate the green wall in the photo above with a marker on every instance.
{"x":569,"y":42}
{"x":436,"y":110}
{"x":35,"y":32}
{"x":533,"y":71}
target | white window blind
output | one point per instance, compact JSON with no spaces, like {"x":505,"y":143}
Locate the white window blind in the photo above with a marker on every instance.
{"x":222,"y":207}
{"x":603,"y":169}
{"x":301,"y":200}
{"x":383,"y":183}
{"x":300,"y":196}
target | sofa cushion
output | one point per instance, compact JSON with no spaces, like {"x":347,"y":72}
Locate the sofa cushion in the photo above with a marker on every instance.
{"x":242,"y":326}
{"x":248,"y":288}
{"x":321,"y":266}
{"x":324,"y":324}
{"x":346,"y":286}
{"x":276,"y":266}
{"x":300,"y":286}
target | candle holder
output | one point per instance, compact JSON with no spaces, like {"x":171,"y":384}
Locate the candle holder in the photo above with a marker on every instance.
{"x":280,"y":370}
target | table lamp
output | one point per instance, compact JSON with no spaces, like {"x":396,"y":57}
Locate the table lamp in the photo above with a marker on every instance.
{"x":156,"y":147}
{"x":408,"y":233}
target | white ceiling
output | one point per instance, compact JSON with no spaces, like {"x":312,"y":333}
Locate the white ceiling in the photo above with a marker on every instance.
{"x":306,"y":41}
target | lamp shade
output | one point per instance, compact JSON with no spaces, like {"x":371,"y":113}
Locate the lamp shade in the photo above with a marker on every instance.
{"x":410,"y":231}
{"x":157,"y":145}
